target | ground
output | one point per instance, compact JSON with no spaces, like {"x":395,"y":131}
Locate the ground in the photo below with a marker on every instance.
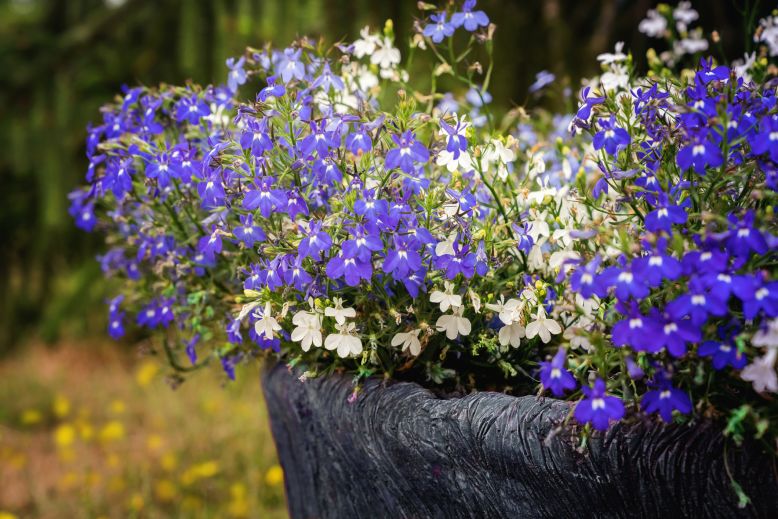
{"x":90,"y":430}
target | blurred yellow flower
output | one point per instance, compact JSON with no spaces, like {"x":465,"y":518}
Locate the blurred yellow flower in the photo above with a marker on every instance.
{"x":118,"y":407}
{"x":31,"y":417}
{"x":69,"y":480}
{"x":154,"y":442}
{"x":113,"y":461}
{"x":7,"y":515}
{"x":60,"y":406}
{"x":274,"y":476}
{"x":146,"y":373}
{"x":238,"y":506}
{"x":136,"y":502}
{"x":86,"y":431}
{"x":64,"y":435}
{"x":169,"y":461}
{"x":203,"y":470}
{"x":113,"y":430}
{"x":165,"y":490}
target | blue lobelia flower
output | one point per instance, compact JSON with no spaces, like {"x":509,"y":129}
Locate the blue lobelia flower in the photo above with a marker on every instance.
{"x":598,"y":408}
{"x":364,"y":241}
{"x":402,"y":259}
{"x":665,"y":399}
{"x":765,"y":141}
{"x":625,"y":283}
{"x":542,"y":80}
{"x":637,"y":331}
{"x":315,"y":243}
{"x":407,"y":152}
{"x":756,"y":296}
{"x":191,"y":109}
{"x":236,"y":76}
{"x":353,"y":270}
{"x":290,"y":66}
{"x":674,"y":334}
{"x":665,"y":215}
{"x":744,"y":237}
{"x":611,"y":137}
{"x":723,"y":353}
{"x":265,"y":197}
{"x":358,"y":141}
{"x":247,"y":232}
{"x":439,"y":28}
{"x":656,"y":267}
{"x":471,"y":20}
{"x":554,"y":376}
{"x":327,"y":81}
{"x":271,"y":90}
{"x":587,"y":282}
{"x":699,"y":153}
{"x":588,"y":102}
{"x":697,"y":303}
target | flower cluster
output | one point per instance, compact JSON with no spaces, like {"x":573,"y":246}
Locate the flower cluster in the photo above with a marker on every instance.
{"x":622,"y":256}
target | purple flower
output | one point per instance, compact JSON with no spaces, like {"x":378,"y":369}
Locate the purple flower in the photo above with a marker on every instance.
{"x":757,"y":296}
{"x":665,"y":399}
{"x":327,"y":80}
{"x":407,"y":152}
{"x":611,"y":137}
{"x":598,"y":408}
{"x":587,"y":282}
{"x":699,"y":153}
{"x":468,"y":18}
{"x":656,"y":267}
{"x":236,"y":75}
{"x":745,"y":237}
{"x":766,"y":139}
{"x":359,"y":142}
{"x":190,"y":347}
{"x":265,"y":198}
{"x":289,"y":66}
{"x":401,"y":259}
{"x":364,"y":240}
{"x":585,"y":111}
{"x":315,"y":242}
{"x":637,"y":331}
{"x":625,"y":282}
{"x":271,"y":90}
{"x":662,"y":218}
{"x":697,"y":303}
{"x":249,"y":233}
{"x":439,"y":28}
{"x":674,"y":334}
{"x":255,"y":137}
{"x":191,"y":109}
{"x":415,"y":282}
{"x":723,"y":354}
{"x":353,"y":270}
{"x":210,"y":246}
{"x":297,"y":276}
{"x":542,"y":79}
{"x":554,"y":376}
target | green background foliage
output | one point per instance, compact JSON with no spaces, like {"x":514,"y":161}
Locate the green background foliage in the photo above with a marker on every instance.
{"x":62,"y":59}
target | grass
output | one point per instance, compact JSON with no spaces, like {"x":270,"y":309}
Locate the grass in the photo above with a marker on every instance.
{"x":89,"y":432}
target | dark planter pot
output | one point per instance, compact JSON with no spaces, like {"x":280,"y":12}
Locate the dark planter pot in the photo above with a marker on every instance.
{"x":400,"y":451}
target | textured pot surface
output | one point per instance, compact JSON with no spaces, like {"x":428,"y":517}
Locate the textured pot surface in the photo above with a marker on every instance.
{"x":401,"y":451}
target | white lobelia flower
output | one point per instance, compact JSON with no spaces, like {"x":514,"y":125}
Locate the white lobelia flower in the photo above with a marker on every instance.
{"x":386,"y":55}
{"x":338,"y":312}
{"x":761,"y":372}
{"x":308,"y":329}
{"x":654,"y":25}
{"x":345,"y":342}
{"x":446,"y":299}
{"x":767,"y":338}
{"x":575,"y":334}
{"x":366,"y":45}
{"x":475,"y":300}
{"x":446,"y":247}
{"x":267,"y":324}
{"x":511,"y":334}
{"x":446,"y":159}
{"x":454,"y":325}
{"x":615,"y":79}
{"x":743,"y":67}
{"x":543,"y":327}
{"x":409,"y":341}
{"x":608,"y":58}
